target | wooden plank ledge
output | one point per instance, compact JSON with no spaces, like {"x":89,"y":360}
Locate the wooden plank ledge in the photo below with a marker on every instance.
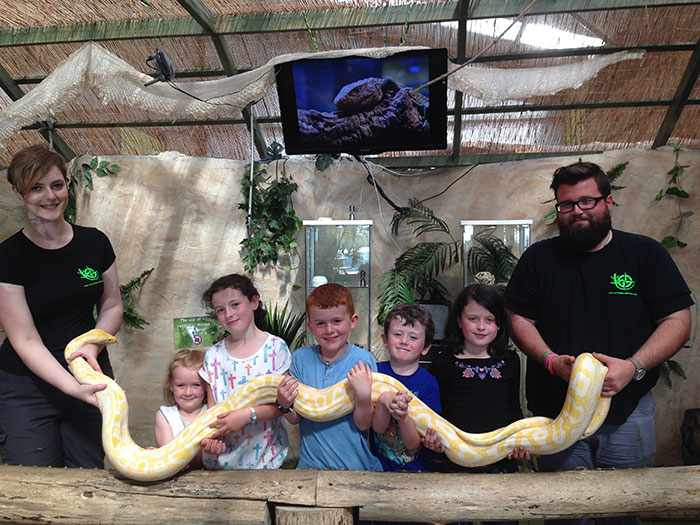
{"x":42,"y":495}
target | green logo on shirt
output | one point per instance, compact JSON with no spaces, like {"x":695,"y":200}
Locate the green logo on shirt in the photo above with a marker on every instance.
{"x":89,"y":274}
{"x":623,"y":283}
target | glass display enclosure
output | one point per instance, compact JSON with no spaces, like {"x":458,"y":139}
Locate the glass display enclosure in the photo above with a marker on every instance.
{"x":339,"y":252}
{"x":491,"y":248}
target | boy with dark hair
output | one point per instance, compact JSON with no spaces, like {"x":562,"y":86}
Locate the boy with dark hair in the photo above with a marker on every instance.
{"x":340,"y":444}
{"x":408,"y":334}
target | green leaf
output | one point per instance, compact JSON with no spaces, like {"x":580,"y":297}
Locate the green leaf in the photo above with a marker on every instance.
{"x":681,"y":244}
{"x":676,"y":368}
{"x":669,"y":241}
{"x":678,"y":192}
{"x":617,"y":170}
{"x":551,"y":214}
{"x":393,"y":290}
{"x":94,"y":162}
{"x":100,"y":172}
{"x":296,"y":287}
{"x":285,"y":324}
{"x":659,"y":195}
{"x":686,"y":214}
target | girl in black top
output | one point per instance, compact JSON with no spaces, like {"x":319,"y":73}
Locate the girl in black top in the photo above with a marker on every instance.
{"x":479,"y":376}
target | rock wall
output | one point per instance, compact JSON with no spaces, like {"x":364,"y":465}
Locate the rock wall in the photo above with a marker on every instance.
{"x":180,"y":215}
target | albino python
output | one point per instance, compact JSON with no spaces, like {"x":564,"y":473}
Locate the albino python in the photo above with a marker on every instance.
{"x":582,"y":414}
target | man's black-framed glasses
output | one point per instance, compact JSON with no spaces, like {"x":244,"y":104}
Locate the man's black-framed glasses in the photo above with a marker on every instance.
{"x":587,"y":203}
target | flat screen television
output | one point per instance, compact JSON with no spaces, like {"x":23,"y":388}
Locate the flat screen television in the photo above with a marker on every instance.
{"x":359,"y":105}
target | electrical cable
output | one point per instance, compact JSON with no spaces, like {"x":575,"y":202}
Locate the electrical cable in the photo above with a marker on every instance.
{"x":449,"y":185}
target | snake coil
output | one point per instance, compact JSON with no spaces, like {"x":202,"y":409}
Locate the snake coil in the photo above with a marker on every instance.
{"x":582,"y":414}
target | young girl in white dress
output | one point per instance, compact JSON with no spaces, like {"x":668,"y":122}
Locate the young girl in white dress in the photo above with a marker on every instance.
{"x":185,"y":392}
{"x":253,"y":437}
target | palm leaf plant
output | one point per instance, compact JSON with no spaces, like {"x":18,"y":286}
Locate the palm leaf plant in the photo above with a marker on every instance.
{"x":415,"y":271}
{"x":285,"y":324}
{"x":490,"y":254}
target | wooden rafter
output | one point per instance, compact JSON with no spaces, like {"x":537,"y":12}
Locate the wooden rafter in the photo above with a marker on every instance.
{"x":15,"y":92}
{"x":461,"y":53}
{"x":680,"y":99}
{"x":205,"y":18}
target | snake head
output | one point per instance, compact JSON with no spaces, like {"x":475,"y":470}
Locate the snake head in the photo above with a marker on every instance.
{"x":95,"y":336}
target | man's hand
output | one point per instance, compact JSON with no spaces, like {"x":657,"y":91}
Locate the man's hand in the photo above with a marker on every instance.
{"x":620,"y":373}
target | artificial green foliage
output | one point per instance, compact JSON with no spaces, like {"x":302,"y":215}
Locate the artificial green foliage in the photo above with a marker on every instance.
{"x":98,"y":167}
{"x":415,"y":272}
{"x":668,"y":367}
{"x":490,"y":254}
{"x":83,"y":175}
{"x":393,"y":290}
{"x":675,"y":189}
{"x":274,"y":224}
{"x":285,"y":324}
{"x":131,"y":317}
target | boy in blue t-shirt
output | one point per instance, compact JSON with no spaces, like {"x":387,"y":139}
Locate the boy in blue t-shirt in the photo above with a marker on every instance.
{"x":340,"y":444}
{"x":408,"y":334}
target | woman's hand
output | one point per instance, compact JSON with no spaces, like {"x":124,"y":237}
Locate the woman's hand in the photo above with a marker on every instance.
{"x":90,"y":352}
{"x":87,"y":393}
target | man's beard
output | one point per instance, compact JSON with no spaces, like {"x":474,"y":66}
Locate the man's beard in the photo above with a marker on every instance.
{"x":588,"y":237}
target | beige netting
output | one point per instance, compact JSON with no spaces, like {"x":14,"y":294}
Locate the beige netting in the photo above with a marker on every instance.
{"x":496,"y":85}
{"x":93,"y":67}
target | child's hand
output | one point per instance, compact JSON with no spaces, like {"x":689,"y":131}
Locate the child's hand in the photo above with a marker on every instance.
{"x":213,"y":446}
{"x":287,"y":391}
{"x":231,"y":421}
{"x":399,"y":405}
{"x":432,"y":441}
{"x":519,"y":453}
{"x":360,"y":378}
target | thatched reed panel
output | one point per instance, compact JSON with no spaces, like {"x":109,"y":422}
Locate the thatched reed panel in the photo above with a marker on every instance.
{"x":29,"y":13}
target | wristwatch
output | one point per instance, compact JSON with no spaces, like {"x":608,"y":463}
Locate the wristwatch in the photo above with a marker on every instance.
{"x":639,"y":371}
{"x":253,"y":415}
{"x":282,"y":409}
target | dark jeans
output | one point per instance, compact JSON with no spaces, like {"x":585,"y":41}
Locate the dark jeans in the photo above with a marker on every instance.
{"x":42,"y":426}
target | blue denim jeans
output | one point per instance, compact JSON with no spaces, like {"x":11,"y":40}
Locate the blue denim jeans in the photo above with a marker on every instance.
{"x":630,"y":445}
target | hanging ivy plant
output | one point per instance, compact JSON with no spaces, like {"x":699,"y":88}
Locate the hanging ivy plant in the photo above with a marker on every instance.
{"x":273,"y":223}
{"x":675,"y":189}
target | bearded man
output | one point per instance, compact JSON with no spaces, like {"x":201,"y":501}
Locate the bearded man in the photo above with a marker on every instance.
{"x":593,"y":289}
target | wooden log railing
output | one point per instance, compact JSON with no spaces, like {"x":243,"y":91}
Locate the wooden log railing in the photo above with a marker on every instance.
{"x":42,"y":495}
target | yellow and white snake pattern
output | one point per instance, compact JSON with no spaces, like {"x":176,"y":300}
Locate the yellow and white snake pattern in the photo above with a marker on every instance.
{"x":582,"y":414}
